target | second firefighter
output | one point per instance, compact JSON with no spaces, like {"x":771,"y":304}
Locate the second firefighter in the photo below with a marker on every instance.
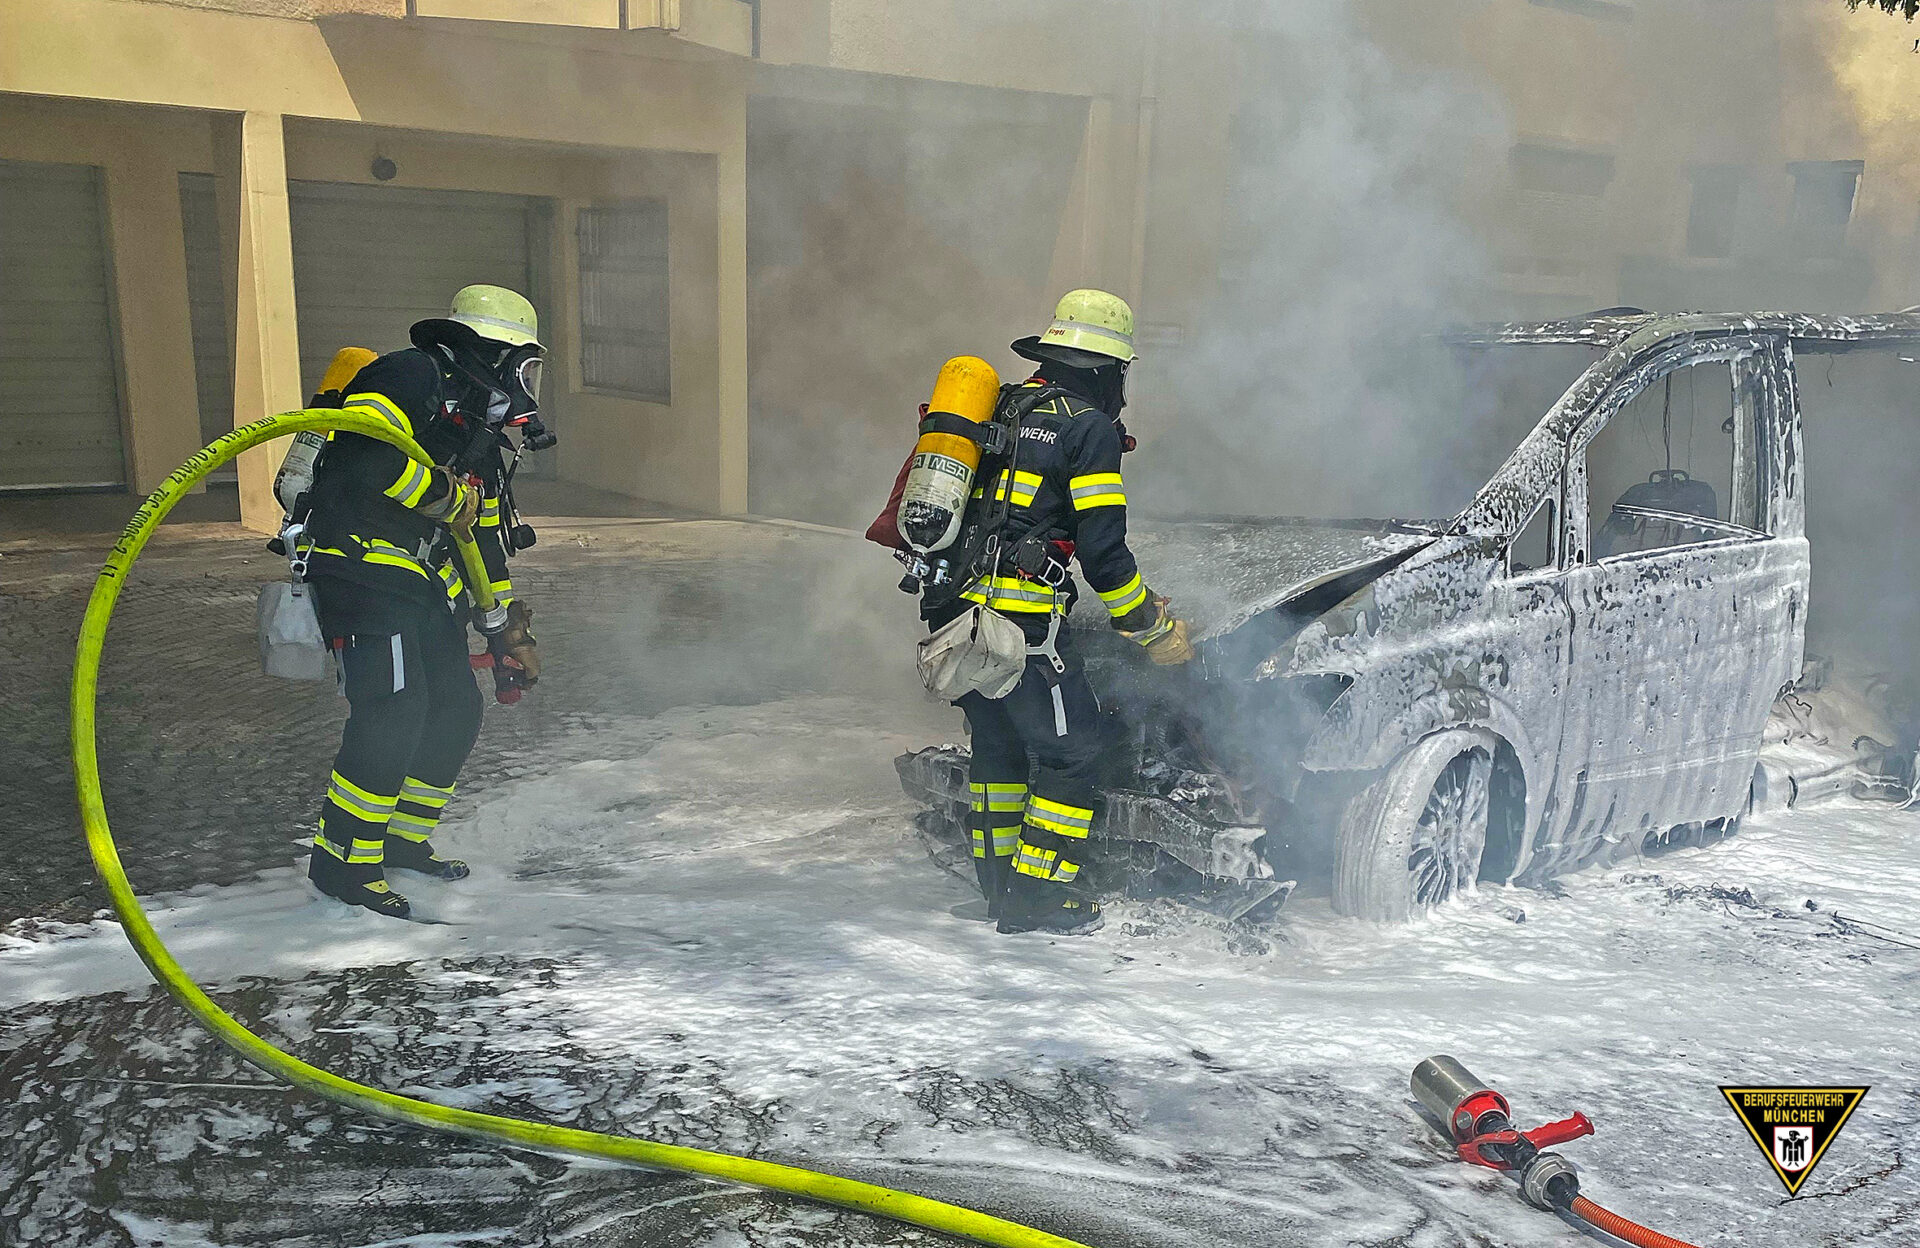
{"x":1055,"y":496}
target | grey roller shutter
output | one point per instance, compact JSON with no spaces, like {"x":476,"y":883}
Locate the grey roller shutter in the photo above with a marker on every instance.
{"x":369,"y":261}
{"x":59,"y":383}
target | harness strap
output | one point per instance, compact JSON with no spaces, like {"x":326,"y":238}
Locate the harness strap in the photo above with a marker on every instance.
{"x":947,"y":422}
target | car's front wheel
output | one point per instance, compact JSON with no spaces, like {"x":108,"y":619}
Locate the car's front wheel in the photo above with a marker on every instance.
{"x":1415,"y":837}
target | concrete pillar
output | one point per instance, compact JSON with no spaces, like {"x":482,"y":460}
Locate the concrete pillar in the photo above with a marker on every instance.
{"x":731,"y":170}
{"x":266,"y":356}
{"x":1086,"y":221}
{"x":156,"y":325}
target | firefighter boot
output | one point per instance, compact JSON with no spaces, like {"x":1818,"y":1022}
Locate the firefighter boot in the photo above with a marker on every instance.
{"x":411,"y":855}
{"x":1033,"y":904}
{"x":356,"y":883}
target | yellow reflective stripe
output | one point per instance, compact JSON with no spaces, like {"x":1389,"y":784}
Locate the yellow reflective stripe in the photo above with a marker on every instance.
{"x":1074,"y":821}
{"x":411,"y":827}
{"x":336,"y":780}
{"x":998,"y":796}
{"x":1031,"y":860}
{"x":356,"y":850}
{"x":489,"y":513}
{"x":426,"y":794}
{"x":1045,"y":864}
{"x":383,"y":553}
{"x":1061,"y":808}
{"x":1020,"y":490}
{"x":356,"y":801}
{"x":1006,"y":841}
{"x":499,"y":587}
{"x":1126,"y":598}
{"x":380,"y":405}
{"x":1011,"y":605}
{"x":1010,"y":593}
{"x":395,"y":561}
{"x":411,"y":487}
{"x":1097,"y":489}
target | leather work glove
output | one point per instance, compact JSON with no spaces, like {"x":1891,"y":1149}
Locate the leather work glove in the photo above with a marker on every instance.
{"x":511,"y":652}
{"x":1165,"y":638}
{"x":458,"y":508}
{"x":517,"y":639}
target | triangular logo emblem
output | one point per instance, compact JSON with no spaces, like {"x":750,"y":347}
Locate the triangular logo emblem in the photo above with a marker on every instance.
{"x":1793,"y":1126}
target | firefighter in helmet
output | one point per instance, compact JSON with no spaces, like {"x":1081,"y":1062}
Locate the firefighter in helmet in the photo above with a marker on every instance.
{"x":390,"y":591}
{"x":1065,"y":500}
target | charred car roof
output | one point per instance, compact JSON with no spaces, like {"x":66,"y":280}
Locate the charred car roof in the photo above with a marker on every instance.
{"x":1605,"y":330}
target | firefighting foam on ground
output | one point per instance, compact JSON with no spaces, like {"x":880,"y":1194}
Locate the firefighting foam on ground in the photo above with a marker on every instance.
{"x":1399,"y":723}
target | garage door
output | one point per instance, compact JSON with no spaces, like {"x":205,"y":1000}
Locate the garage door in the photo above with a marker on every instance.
{"x":369,"y":261}
{"x":59,"y":389}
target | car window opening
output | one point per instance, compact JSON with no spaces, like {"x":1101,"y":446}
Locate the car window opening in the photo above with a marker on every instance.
{"x":1667,"y":470}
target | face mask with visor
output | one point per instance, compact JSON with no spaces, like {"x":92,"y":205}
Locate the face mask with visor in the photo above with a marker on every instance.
{"x":510,"y":377}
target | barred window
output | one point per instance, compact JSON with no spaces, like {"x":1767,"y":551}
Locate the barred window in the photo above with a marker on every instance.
{"x":624,"y":346}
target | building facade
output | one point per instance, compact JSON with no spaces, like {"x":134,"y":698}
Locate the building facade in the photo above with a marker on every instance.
{"x":754,"y":227}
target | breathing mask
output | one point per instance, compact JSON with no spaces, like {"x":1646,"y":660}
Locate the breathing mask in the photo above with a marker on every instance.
{"x":509,"y":379}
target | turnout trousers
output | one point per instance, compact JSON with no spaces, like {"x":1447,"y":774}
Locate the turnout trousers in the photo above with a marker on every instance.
{"x":414,"y":716}
{"x":1035,"y":756}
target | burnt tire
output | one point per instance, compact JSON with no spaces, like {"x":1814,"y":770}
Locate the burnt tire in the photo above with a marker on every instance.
{"x":1416,"y":836}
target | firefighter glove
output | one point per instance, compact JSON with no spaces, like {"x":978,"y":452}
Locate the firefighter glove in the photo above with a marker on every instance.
{"x":1165,"y":638}
{"x":457,"y":507}
{"x":517,"y":639}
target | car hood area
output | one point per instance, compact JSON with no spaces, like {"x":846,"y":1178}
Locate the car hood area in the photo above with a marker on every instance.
{"x":1222,"y":573}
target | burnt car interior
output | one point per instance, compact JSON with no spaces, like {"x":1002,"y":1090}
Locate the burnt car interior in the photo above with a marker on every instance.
{"x":1667,"y":460}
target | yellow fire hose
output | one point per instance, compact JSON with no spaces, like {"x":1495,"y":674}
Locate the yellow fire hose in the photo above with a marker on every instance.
{"x":808,"y":1184}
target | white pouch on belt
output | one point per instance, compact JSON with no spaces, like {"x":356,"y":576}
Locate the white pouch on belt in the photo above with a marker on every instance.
{"x":981,"y":651}
{"x":291,"y":645}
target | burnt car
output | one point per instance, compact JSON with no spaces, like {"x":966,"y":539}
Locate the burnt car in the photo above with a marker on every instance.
{"x":1576,"y":668}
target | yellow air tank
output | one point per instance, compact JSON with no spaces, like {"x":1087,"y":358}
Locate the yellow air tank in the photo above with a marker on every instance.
{"x":944,"y":460}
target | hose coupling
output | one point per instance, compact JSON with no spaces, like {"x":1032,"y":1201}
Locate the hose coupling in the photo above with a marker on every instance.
{"x":1549,"y":1182}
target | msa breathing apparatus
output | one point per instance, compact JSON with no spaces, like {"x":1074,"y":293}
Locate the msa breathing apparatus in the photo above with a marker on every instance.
{"x":971,"y":420}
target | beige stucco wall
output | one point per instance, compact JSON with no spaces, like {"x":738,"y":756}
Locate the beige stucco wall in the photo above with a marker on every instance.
{"x":576,"y":119}
{"x":671,"y":452}
{"x":141,"y":152}
{"x":578,"y":114}
{"x":676,"y":453}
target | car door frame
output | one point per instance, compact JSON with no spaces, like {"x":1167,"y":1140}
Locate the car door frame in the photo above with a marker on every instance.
{"x":1767,"y":456}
